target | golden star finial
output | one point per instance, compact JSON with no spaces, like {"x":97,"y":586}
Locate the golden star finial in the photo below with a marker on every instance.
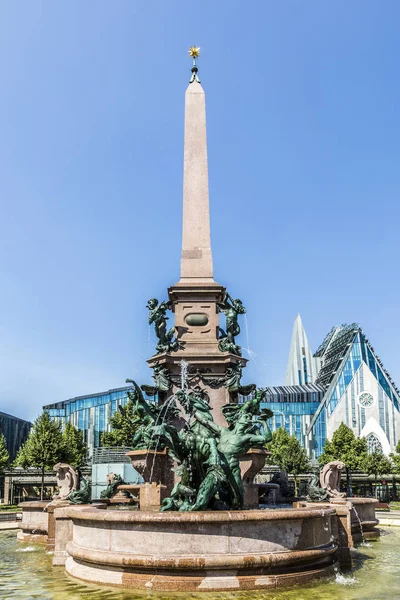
{"x":194,"y":52}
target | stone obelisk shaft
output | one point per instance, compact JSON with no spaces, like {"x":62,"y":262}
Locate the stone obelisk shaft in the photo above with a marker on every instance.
{"x":196,"y":296}
{"x":196,"y":262}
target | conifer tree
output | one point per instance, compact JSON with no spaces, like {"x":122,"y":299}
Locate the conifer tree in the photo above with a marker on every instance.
{"x":74,"y":448}
{"x":4,"y":456}
{"x":43,"y":448}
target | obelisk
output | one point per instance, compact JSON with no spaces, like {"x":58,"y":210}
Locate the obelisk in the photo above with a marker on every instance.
{"x":196,"y":261}
{"x":196,"y":296}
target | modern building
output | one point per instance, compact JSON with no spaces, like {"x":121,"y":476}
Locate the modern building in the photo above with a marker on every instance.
{"x":344,"y":381}
{"x":302,"y":366}
{"x":357,"y":389}
{"x":15,"y":431}
{"x":91,"y":414}
{"x":294,"y":407}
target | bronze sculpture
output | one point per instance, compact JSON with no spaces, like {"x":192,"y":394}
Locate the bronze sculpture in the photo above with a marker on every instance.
{"x":147,"y":416}
{"x":315,"y":493}
{"x":83,"y":494}
{"x":113,"y":481}
{"x":158,"y":316}
{"x":208,"y":454}
{"x":231,"y":309}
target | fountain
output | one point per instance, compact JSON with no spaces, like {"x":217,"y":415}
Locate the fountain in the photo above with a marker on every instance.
{"x":198,"y":449}
{"x":356,"y":516}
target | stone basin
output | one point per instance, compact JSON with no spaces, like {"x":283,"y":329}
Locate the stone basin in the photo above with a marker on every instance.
{"x":35,"y":522}
{"x":357,"y":514}
{"x":201,"y":551}
{"x":156,"y":469}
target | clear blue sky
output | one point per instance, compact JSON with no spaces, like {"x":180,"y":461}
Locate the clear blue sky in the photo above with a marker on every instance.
{"x":304,"y":149}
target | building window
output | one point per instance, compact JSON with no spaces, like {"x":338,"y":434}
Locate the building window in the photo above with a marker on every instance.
{"x":366,"y":399}
{"x":305,"y":370}
{"x":373,"y":444}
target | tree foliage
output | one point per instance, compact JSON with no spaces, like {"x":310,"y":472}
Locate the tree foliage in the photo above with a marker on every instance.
{"x":376,"y":464}
{"x":74,"y":449}
{"x":44,"y":446}
{"x":396,"y":458}
{"x":4,"y":455}
{"x":287,"y":453}
{"x":124,"y":423}
{"x":346,"y":447}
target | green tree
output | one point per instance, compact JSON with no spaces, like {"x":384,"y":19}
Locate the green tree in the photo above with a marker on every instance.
{"x":124,"y":424}
{"x":4,"y":456}
{"x":376,"y":463}
{"x":396,"y":458}
{"x":346,"y":447}
{"x":74,"y":448}
{"x":288,"y":454}
{"x":43,"y":448}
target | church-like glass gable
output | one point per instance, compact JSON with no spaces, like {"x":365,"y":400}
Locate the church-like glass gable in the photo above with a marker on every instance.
{"x":351,"y":365}
{"x":360,"y":351}
{"x":379,"y":372}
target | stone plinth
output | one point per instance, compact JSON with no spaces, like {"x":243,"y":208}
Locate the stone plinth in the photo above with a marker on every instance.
{"x":34,"y":524}
{"x":196,"y":316}
{"x":123,"y":494}
{"x":156,"y":470}
{"x":51,"y":534}
{"x":201,"y":551}
{"x":251,"y":464}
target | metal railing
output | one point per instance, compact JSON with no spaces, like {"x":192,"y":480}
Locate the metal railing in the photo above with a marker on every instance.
{"x":108,"y":454}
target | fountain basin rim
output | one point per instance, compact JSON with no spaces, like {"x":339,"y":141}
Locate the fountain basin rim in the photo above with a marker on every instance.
{"x":118,"y":516}
{"x":339,"y":501}
{"x":144,"y":451}
{"x":373,"y":523}
{"x":363,"y":500}
{"x":274,"y":560}
{"x":33,"y":504}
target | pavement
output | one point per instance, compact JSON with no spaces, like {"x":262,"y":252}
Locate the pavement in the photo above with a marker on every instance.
{"x":388,"y":518}
{"x":9,"y":525}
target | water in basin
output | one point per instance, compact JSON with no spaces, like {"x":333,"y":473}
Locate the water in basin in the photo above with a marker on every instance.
{"x":26,"y":572}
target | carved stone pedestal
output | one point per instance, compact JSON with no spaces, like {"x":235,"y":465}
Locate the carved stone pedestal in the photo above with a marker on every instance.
{"x":122,"y":496}
{"x":156,"y":470}
{"x":51,"y":534}
{"x":251,"y":464}
{"x":197,"y":328}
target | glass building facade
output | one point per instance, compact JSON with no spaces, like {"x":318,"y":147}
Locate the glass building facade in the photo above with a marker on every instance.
{"x":15,"y":431}
{"x":293,"y":408}
{"x":91,"y":414}
{"x":347,"y":359}
{"x":347,"y":363}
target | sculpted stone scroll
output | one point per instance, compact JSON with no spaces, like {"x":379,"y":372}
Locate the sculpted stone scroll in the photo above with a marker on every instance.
{"x":71,"y":487}
{"x":330,"y":479}
{"x":67,"y":481}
